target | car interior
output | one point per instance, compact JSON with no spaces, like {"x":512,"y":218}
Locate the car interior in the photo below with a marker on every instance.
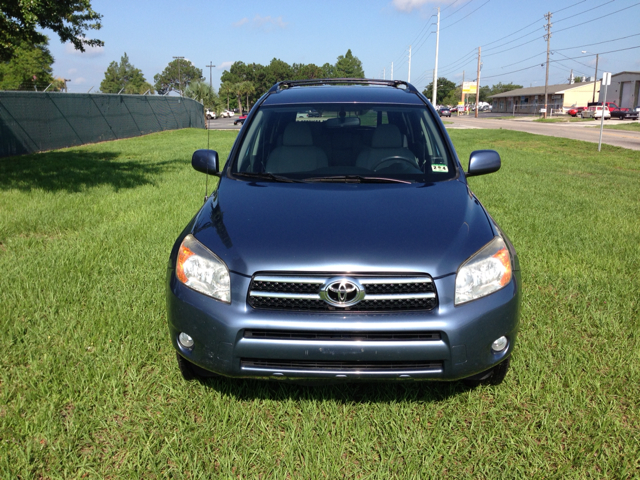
{"x":364,"y":140}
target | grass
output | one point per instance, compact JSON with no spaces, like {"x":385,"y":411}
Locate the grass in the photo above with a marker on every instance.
{"x":563,"y":120}
{"x":633,"y":127}
{"x":88,"y":381}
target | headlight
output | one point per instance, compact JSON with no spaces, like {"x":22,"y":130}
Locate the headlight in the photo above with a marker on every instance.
{"x":487,"y":271}
{"x":200,"y":269}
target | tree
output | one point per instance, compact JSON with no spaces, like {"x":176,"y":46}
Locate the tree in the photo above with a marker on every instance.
{"x":578,"y":79}
{"x":226,"y":90}
{"x":176,"y":76}
{"x":348,"y":66}
{"x":203,"y":93}
{"x":445,"y":88}
{"x":70,"y":19}
{"x":503,"y":87}
{"x":28,"y":69}
{"x":124,"y":76}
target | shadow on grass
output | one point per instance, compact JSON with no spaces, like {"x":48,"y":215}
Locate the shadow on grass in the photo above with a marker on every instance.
{"x":75,"y":171}
{"x":358,"y":392}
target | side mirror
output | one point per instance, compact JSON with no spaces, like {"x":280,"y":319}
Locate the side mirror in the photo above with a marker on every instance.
{"x":482,"y":162}
{"x":205,"y":161}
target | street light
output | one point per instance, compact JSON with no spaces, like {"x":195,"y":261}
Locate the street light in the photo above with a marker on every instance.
{"x":595,"y":79}
{"x":179,"y":76}
{"x":66,"y":89}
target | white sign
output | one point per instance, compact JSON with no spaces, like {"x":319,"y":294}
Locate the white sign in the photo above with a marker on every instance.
{"x":469,"y":87}
{"x":543,"y":110}
{"x":606,"y":78}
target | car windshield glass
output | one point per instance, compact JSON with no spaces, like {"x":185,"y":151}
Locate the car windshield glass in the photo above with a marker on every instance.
{"x":351,"y":141}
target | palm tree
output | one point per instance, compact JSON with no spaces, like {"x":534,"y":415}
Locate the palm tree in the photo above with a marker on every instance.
{"x":226,"y":89}
{"x":201,"y":92}
{"x":248,"y":88}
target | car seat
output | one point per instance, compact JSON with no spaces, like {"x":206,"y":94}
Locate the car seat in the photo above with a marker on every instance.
{"x":297,"y":152}
{"x":387,"y":142}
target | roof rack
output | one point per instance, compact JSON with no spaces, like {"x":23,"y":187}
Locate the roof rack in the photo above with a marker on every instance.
{"x":329,"y":81}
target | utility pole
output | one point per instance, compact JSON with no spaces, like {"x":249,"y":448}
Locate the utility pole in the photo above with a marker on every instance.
{"x":211,"y":65}
{"x":478,"y":83}
{"x":384,"y":73}
{"x":409,"y":76}
{"x":462,"y":96}
{"x":179,"y":76}
{"x":435,"y":71}
{"x":391,"y":70}
{"x":546,"y":79}
{"x":595,"y":80}
{"x":66,"y":89}
{"x":571,"y":77}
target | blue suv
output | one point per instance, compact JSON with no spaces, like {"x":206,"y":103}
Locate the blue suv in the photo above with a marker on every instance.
{"x":344,"y":245}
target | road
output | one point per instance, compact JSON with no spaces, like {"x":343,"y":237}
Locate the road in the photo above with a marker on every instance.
{"x":223,"y":124}
{"x":586,"y":131}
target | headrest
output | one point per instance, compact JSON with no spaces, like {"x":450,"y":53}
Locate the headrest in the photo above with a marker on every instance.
{"x":387,"y":136}
{"x":297,"y":134}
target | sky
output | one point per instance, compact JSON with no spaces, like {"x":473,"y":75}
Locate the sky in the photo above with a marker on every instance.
{"x":378,"y":32}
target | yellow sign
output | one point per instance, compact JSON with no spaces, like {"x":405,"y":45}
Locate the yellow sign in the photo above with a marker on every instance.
{"x":469,"y":87}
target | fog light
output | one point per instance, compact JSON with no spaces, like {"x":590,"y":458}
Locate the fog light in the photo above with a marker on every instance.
{"x":187,"y":342}
{"x":498,"y":345}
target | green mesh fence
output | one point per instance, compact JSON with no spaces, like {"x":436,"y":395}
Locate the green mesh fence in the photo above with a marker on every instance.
{"x":34,"y":122}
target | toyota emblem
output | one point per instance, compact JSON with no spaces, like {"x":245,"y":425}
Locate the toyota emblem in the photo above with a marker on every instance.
{"x":342,"y":292}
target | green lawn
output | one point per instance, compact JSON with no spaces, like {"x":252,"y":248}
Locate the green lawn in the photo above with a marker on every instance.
{"x":88,"y":380}
{"x":633,"y":126}
{"x":562,"y":120}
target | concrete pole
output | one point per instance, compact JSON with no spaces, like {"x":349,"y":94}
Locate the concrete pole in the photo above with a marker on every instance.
{"x":546,"y":79}
{"x":409,"y":75}
{"x":435,"y":71}
{"x":595,"y":80}
{"x":478,"y":83}
{"x":391,"y":70}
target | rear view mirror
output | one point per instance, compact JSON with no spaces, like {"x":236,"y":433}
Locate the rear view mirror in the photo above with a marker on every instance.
{"x":345,"y":122}
{"x":482,"y":162}
{"x":205,"y":161}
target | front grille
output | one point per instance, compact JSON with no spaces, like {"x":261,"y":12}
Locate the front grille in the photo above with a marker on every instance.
{"x":381,"y":293}
{"x":337,"y":366}
{"x":342,"y":336}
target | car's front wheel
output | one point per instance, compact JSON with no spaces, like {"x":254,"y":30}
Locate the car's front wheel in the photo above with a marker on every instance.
{"x":190,"y":371}
{"x":493,"y":376}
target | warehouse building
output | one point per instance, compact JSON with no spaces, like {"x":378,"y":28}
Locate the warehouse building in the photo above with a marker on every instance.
{"x":560,"y":98}
{"x":624,"y":89}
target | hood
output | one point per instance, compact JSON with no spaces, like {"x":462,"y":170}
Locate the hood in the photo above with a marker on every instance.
{"x":342,"y":227}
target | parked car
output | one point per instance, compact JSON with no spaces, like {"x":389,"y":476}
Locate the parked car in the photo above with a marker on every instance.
{"x":625,"y":114}
{"x":595,"y":112}
{"x":240,"y":120}
{"x":344,"y":250}
{"x":209,"y":114}
{"x":226,"y":114}
{"x":575,"y":111}
{"x":444,"y":112}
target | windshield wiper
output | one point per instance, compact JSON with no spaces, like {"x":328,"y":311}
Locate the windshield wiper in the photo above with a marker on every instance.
{"x":267,"y":176}
{"x":355,"y":179}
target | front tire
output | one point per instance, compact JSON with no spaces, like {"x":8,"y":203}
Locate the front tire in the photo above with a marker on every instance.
{"x":190,"y":371}
{"x":493,"y":376}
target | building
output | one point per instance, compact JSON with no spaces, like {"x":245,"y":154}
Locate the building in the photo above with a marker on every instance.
{"x":560,"y":98}
{"x":624,"y":89}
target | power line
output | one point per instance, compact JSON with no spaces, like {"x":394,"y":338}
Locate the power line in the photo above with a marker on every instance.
{"x":596,"y":19}
{"x":585,"y":11}
{"x":568,"y":58}
{"x":443,"y":28}
{"x":598,"y":43}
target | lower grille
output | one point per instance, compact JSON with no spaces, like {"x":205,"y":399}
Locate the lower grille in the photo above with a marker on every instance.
{"x":343,"y":336}
{"x":347,"y":367}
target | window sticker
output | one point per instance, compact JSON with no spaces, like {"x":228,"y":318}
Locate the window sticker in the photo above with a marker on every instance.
{"x":439,"y":168}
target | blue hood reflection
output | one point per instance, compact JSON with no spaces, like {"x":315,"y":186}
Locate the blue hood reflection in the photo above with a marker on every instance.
{"x":338,"y":227}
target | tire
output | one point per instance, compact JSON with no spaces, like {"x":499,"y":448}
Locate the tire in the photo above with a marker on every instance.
{"x":190,"y":371}
{"x":493,"y":376}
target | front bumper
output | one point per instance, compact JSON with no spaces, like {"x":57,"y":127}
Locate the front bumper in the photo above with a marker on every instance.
{"x":450,"y":342}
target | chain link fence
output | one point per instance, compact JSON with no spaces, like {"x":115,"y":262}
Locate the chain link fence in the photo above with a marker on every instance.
{"x":35,"y":121}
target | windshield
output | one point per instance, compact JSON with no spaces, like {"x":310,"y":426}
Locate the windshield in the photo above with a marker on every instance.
{"x":325,"y":142}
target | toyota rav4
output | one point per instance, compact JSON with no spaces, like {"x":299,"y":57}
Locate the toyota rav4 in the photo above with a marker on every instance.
{"x":344,"y":246}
